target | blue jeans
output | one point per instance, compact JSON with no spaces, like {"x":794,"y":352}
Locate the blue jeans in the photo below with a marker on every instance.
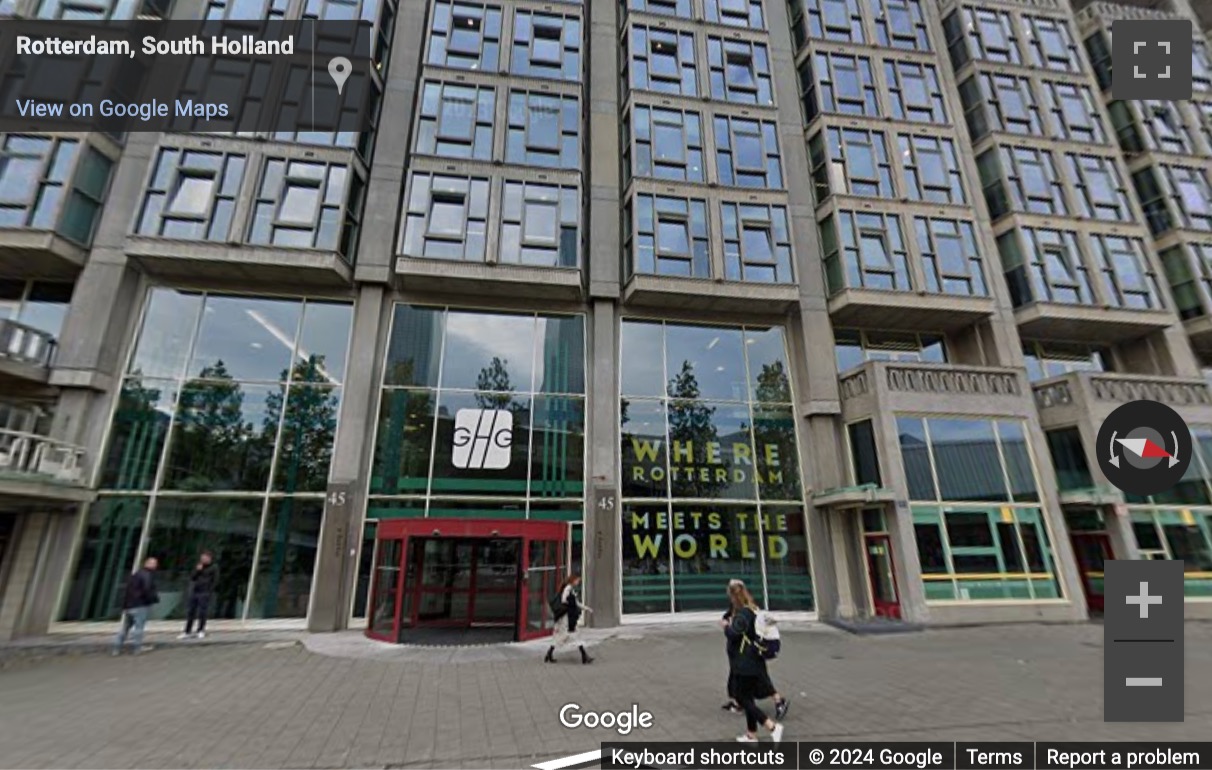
{"x":133,"y":622}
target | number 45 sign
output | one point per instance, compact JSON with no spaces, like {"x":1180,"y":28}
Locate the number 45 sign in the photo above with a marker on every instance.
{"x":604,"y":500}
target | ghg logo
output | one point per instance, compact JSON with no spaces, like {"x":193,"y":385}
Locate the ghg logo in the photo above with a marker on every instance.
{"x":482,"y":438}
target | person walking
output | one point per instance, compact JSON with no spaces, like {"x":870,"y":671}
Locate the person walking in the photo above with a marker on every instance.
{"x":201,"y":587}
{"x":751,"y":680}
{"x":137,"y":601}
{"x":566,"y":624}
{"x":733,"y":704}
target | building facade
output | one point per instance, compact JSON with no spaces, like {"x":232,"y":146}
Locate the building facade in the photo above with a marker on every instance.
{"x":828,"y":295}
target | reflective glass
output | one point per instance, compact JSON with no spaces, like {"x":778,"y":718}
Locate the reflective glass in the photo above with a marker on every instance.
{"x":416,"y":346}
{"x":711,"y":451}
{"x":309,"y":427}
{"x":109,"y":547}
{"x":641,"y":358}
{"x":168,"y":327}
{"x":645,"y":562}
{"x":785,"y":549}
{"x":916,"y":456}
{"x":558,"y":447}
{"x":769,"y":375}
{"x":705,"y":362}
{"x":137,"y":433}
{"x":481,"y":444}
{"x":289,"y":546}
{"x":644,"y":449}
{"x":486,"y":351}
{"x":223,"y":436}
{"x":246,"y":338}
{"x":777,"y":466}
{"x":403,"y":442}
{"x":712,"y":545}
{"x":560,"y":367}
{"x":323,"y":342}
{"x":966,"y":460}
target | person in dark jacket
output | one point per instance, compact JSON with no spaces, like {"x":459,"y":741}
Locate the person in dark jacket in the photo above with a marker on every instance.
{"x":137,"y":601}
{"x":751,"y":681}
{"x":565,"y":631}
{"x":733,"y":704}
{"x":201,"y":587}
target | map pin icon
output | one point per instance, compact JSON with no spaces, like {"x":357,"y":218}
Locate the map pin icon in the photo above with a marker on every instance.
{"x":339,"y":68}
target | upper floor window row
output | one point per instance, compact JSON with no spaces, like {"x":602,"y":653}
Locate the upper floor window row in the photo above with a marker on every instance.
{"x":667,"y":61}
{"x":1058,"y":266}
{"x":875,"y":251}
{"x":1028,"y":180}
{"x":50,"y":183}
{"x":857,"y":162}
{"x":1002,"y":37}
{"x":1152,"y":125}
{"x":372,"y":11}
{"x":1007,"y":103}
{"x":447,"y":217}
{"x":1098,"y":46}
{"x":193,"y":194}
{"x":468,"y":35}
{"x":671,"y":236}
{"x":734,"y":13}
{"x":668,"y":144}
{"x":1175,"y":197}
{"x":845,"y":84}
{"x":887,"y":23}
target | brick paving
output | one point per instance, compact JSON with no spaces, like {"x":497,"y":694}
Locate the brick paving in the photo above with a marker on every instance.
{"x":258,"y":704}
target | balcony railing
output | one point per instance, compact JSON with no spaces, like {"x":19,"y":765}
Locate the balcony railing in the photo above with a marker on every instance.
{"x":1107,"y":390}
{"x":25,"y":344}
{"x":30,"y":457}
{"x":929,"y":378}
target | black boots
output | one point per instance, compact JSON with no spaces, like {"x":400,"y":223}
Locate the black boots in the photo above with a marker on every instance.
{"x":550,"y":657}
{"x":585,"y":659}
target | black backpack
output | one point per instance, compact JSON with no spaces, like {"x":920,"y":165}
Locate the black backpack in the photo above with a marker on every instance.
{"x":558,"y":608}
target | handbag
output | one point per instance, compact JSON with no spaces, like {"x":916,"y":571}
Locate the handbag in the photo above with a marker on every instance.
{"x":558,"y":608}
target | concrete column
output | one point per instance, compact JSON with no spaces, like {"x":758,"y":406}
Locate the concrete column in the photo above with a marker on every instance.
{"x":38,"y":558}
{"x":603,"y":250}
{"x":377,"y":246}
{"x":336,"y":569}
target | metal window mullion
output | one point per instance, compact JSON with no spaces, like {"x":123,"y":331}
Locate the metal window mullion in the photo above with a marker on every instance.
{"x":534,"y":387}
{"x":437,"y":391}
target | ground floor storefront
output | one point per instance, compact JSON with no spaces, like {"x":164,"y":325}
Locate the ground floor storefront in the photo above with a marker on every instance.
{"x":421,"y":467}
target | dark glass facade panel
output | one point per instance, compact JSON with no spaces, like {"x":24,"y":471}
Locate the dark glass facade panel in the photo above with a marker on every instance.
{"x":966,"y":460}
{"x":107,"y":556}
{"x":646,"y":559}
{"x":289,"y":547}
{"x":404,"y":442}
{"x":1018,"y":462}
{"x":644,"y":374}
{"x":137,"y":434}
{"x":495,"y":458}
{"x":1069,"y":459}
{"x":864,"y":457}
{"x":415,"y":347}
{"x":305,"y":445}
{"x":711,"y":451}
{"x":183,"y":527}
{"x":223,"y":435}
{"x":769,"y":372}
{"x":705,"y":362}
{"x":169,"y":323}
{"x":557,"y":451}
{"x":915,"y":453}
{"x":240,"y":338}
{"x":645,"y":451}
{"x":777,"y":470}
{"x":712,"y":545}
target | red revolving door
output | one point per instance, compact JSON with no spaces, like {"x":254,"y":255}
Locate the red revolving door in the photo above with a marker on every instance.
{"x":449,"y":581}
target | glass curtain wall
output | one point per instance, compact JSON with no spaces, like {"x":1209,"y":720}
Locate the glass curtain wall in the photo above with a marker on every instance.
{"x":481,"y":415}
{"x":981,"y":530}
{"x":710,"y":469}
{"x":221,"y":441}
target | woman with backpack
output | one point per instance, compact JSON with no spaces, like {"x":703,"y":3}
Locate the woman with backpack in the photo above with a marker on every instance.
{"x":750,"y":681}
{"x":781,"y":704}
{"x":567,"y":608}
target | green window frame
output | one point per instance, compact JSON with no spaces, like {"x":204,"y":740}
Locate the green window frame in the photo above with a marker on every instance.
{"x":1178,"y":533}
{"x":985,"y":553}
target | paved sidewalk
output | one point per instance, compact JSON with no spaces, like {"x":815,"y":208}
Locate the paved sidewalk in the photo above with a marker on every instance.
{"x":258,"y":705}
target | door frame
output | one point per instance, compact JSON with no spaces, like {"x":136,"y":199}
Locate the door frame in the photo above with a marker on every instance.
{"x":404,"y":530}
{"x":881,"y":609}
{"x":1093,"y":603}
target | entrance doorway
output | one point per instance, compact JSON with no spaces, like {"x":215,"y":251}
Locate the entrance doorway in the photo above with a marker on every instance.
{"x":441,"y":581}
{"x":881,"y":572}
{"x":1092,"y":548}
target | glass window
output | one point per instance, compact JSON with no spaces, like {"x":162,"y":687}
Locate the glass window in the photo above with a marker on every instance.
{"x":864,"y":459}
{"x":308,"y":205}
{"x":289,"y":548}
{"x":1127,"y":279}
{"x":839,"y":84}
{"x":546,"y":45}
{"x":1201,"y":66}
{"x":932,"y":169}
{"x":217,"y":10}
{"x":1190,"y":195}
{"x":1011,"y":104}
{"x":1055,"y":270}
{"x":747,"y":152}
{"x":456,"y":120}
{"x":973,"y":460}
{"x":854,"y":346}
{"x":915,"y":454}
{"x":1072,"y":113}
{"x":757,"y":243}
{"x":900,"y":24}
{"x":850,"y":162}
{"x":735,"y":13}
{"x":539,"y":224}
{"x":97,"y":10}
{"x":1099,"y":187}
{"x":108,"y":549}
{"x":915,"y":92}
{"x":670,"y":236}
{"x":872,"y":253}
{"x":544,"y":130}
{"x":35,"y":172}
{"x":1035,"y":187}
{"x":445,"y":217}
{"x":1051,"y":358}
{"x":1153,"y":199}
{"x":1069,"y":458}
{"x":1099,"y":49}
{"x":191,"y":195}
{"x":663,"y":61}
{"x":992,"y":35}
{"x":668,"y":144}
{"x":835,"y":20}
{"x":950,"y":257}
{"x":679,"y":8}
{"x":465,"y":36}
{"x":740,"y":71}
{"x":1050,"y":44}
